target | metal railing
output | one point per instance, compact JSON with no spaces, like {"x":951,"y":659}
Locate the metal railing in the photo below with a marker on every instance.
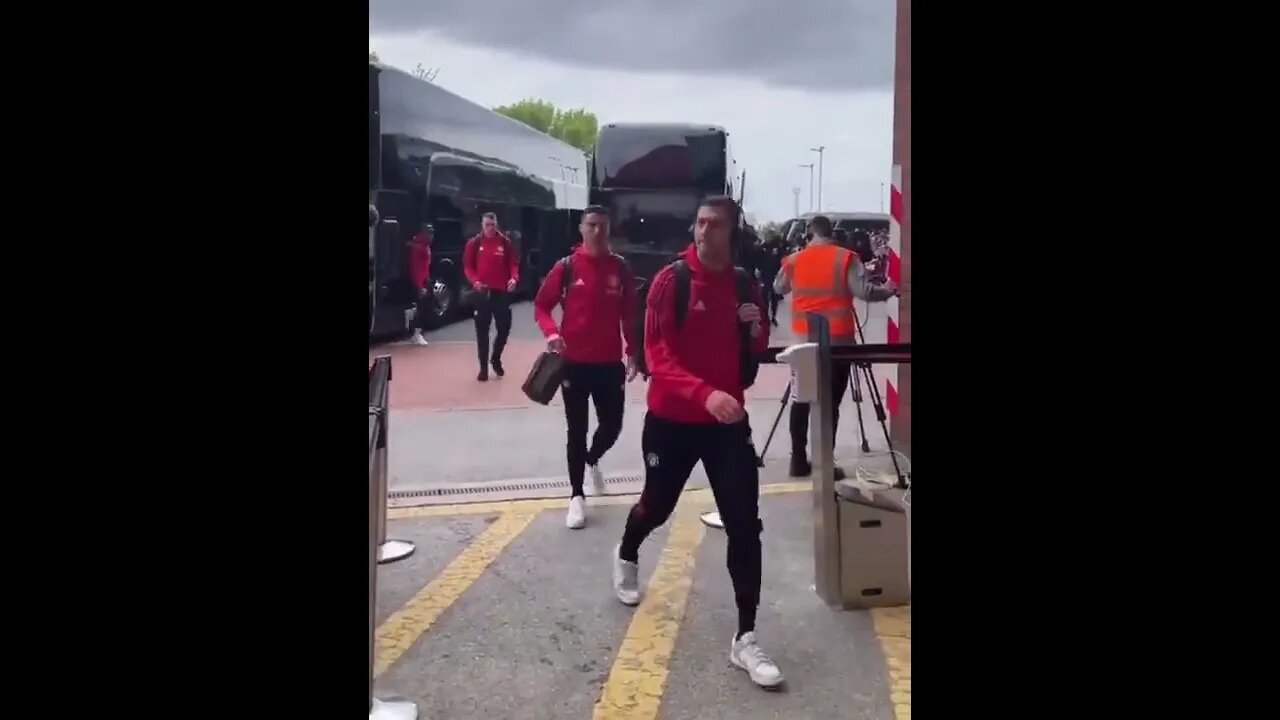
{"x":379,"y":412}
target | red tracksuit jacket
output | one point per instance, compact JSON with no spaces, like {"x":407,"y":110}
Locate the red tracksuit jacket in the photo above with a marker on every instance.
{"x":597,"y":310}
{"x":420,"y":259}
{"x":492,"y":261}
{"x":686,"y":365}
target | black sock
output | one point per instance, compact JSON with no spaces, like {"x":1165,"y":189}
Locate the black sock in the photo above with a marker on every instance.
{"x":746,"y":621}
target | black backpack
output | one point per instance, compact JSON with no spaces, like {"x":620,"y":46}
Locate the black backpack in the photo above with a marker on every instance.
{"x":748,"y":362}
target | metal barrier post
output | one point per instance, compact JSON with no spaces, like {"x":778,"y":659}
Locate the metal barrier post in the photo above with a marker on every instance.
{"x":826,"y":531}
{"x":391,"y":708}
{"x":388,"y":550}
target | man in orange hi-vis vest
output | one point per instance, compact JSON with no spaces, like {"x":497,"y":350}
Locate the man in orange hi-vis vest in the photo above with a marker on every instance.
{"x":824,"y":278}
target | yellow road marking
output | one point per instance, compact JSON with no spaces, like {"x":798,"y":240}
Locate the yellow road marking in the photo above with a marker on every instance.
{"x":536,"y":506}
{"x":635,"y":685}
{"x":406,"y":625}
{"x":893,"y":629}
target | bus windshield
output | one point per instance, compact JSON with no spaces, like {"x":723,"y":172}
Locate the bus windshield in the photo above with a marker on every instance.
{"x":653,"y":219}
{"x":640,"y":157}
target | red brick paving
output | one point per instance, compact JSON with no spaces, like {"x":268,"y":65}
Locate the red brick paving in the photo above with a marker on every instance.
{"x":442,"y":376}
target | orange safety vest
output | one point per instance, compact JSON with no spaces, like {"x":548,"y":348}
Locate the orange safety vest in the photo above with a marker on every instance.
{"x":818,"y":276}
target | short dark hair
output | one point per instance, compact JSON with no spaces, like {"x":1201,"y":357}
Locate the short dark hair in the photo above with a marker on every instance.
{"x":490,"y":216}
{"x":723,"y":202}
{"x":820,"y":225}
{"x":595,"y":210}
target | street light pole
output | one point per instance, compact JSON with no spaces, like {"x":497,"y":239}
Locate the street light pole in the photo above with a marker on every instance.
{"x":819,"y":150}
{"x":810,"y":166}
{"x":795,"y":192}
{"x":881,"y":198}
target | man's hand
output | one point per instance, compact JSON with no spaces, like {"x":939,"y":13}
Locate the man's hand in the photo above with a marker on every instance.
{"x":632,"y":369}
{"x":891,"y":286}
{"x":555,"y":344}
{"x":479,"y":286}
{"x":724,"y":408}
{"x":750,"y":313}
{"x":511,"y":285}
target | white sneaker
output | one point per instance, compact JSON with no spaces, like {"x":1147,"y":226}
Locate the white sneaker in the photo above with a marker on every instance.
{"x":597,"y":479}
{"x":626,"y":578}
{"x":417,"y":338}
{"x":577,"y":513}
{"x":746,"y":654}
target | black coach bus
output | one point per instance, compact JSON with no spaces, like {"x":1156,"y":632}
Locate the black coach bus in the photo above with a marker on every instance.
{"x":795,"y":230}
{"x":651,"y":177}
{"x":438,"y":158}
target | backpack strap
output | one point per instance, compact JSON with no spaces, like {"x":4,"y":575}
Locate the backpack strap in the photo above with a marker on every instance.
{"x":566,"y":277}
{"x":745,"y":281}
{"x":684,"y":279}
{"x":626,"y":269}
{"x":747,"y":362}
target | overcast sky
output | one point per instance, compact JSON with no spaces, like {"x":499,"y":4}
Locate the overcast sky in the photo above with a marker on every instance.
{"x":781,"y":77}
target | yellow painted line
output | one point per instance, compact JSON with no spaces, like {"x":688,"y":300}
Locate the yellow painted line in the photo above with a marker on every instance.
{"x":560,"y":503}
{"x":406,"y":625}
{"x":893,"y":629}
{"x":634,"y":688}
{"x":786,"y":487}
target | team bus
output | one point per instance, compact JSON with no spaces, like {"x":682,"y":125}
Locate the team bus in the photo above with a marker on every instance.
{"x":437,"y":158}
{"x":795,"y":230}
{"x":651,"y":177}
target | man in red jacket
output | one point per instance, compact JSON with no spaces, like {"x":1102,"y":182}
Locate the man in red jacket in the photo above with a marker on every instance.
{"x":492,"y":265}
{"x":420,"y":269}
{"x":597,"y":300}
{"x":696,"y":414}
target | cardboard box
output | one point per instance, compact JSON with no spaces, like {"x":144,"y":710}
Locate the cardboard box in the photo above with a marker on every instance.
{"x":874,"y":547}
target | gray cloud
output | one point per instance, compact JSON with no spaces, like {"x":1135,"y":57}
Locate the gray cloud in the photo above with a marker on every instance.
{"x":817,"y":44}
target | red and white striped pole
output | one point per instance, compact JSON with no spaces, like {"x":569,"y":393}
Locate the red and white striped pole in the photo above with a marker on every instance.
{"x":898,"y":388}
{"x":893,"y":332}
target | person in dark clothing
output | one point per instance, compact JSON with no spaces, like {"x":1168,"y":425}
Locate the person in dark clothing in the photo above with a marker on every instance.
{"x":420,"y":269}
{"x":596,"y":311}
{"x":771,"y":254}
{"x":492,"y":266}
{"x":695,"y":413}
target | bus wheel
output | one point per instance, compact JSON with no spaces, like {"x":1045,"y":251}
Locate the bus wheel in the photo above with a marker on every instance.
{"x":444,"y":291}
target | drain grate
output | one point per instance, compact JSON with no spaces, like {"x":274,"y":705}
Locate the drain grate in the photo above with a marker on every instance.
{"x":507,"y":486}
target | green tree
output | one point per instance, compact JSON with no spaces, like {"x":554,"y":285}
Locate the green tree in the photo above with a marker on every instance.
{"x":373,"y":56}
{"x":578,"y":127}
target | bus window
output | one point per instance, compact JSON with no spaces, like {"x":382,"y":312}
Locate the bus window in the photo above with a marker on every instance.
{"x":661,"y":157}
{"x":796,"y":235}
{"x":654,"y":219}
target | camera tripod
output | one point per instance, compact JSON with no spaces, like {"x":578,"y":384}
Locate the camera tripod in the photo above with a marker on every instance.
{"x":855,"y":387}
